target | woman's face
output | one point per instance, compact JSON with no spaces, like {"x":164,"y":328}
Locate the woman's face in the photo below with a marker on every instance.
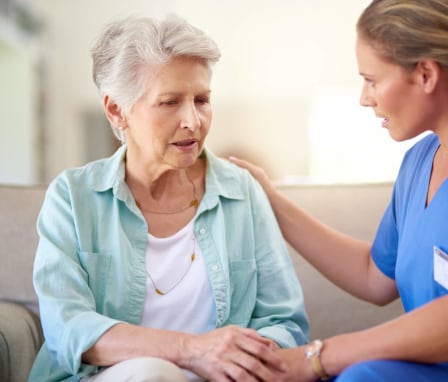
{"x":169,"y":124}
{"x":392,"y":92}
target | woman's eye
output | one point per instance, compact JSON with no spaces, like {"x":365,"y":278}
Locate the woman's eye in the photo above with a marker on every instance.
{"x":169,"y":102}
{"x":202,"y":100}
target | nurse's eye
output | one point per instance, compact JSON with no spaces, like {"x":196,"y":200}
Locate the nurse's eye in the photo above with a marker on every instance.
{"x":369,"y":82}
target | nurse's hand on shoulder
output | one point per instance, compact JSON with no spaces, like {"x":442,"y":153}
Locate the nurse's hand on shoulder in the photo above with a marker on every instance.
{"x":233,"y":353}
{"x":257,"y":172}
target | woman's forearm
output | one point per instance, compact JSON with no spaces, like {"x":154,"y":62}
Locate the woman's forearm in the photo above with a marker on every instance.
{"x":125,"y":341}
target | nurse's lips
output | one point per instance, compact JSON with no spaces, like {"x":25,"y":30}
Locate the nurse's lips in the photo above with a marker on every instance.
{"x":385,"y":122}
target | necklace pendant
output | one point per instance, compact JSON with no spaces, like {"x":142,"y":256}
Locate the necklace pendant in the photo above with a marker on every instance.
{"x":158,"y":291}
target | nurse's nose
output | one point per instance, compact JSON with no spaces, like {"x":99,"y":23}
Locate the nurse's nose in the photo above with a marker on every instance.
{"x":366,"y":99}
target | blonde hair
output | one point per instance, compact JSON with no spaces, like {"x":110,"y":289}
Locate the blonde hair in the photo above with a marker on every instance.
{"x":126,"y":46}
{"x":407,"y":31}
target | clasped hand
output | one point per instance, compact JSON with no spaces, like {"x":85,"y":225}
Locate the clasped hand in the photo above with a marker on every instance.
{"x":233,"y":353}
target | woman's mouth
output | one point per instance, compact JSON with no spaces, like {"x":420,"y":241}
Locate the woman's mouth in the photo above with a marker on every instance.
{"x":186,"y":144}
{"x":385,"y":122}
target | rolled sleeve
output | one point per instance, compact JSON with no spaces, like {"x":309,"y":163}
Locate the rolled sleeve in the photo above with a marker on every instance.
{"x":67,"y":306}
{"x":279,"y":311}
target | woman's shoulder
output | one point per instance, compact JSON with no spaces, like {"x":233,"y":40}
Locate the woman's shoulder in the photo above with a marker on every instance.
{"x":223,"y":169}
{"x":224,"y":178}
{"x":97,"y":175}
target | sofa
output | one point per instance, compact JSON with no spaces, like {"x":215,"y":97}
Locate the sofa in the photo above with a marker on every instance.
{"x":354,"y":209}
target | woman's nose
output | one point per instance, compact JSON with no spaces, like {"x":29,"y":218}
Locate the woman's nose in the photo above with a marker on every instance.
{"x":190,"y":118}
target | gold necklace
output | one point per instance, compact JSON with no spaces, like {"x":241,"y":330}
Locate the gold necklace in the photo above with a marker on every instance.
{"x":193,"y":203}
{"x":162,"y":293}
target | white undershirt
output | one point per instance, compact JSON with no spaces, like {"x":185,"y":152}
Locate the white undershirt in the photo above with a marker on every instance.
{"x":190,"y":306}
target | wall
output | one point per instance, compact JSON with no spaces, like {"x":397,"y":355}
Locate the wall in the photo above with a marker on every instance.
{"x":19,"y":161}
{"x":273,"y":53}
{"x":285,"y":93}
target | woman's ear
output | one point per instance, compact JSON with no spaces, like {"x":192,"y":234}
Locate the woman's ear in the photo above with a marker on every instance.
{"x":114,"y":113}
{"x":428,"y":74}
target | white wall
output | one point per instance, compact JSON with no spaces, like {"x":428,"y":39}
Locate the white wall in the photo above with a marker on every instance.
{"x":279,"y":58}
{"x":18,"y":156}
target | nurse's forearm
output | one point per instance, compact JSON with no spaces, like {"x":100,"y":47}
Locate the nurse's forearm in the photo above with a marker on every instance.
{"x":418,"y":336}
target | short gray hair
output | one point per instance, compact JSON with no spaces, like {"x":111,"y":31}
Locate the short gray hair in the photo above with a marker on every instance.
{"x":125,"y":46}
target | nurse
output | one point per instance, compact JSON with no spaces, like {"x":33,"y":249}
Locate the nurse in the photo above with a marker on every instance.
{"x":402,"y":54}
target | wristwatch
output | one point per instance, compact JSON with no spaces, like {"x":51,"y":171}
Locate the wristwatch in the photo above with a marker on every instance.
{"x":312,"y":352}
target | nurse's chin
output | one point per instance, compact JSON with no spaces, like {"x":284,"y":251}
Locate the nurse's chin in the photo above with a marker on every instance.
{"x":400,"y":136}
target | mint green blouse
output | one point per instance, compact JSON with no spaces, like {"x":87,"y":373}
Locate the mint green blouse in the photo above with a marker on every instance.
{"x":89,"y":270}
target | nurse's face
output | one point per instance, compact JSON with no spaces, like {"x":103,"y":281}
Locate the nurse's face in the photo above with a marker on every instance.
{"x":392,"y":92}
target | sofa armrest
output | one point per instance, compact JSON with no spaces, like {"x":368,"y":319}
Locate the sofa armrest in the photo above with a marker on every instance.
{"x":20,"y":340}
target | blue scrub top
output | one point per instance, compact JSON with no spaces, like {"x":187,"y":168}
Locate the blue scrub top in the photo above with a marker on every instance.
{"x":403,"y":248}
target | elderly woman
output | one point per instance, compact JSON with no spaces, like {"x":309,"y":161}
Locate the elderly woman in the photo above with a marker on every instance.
{"x":162,"y":262}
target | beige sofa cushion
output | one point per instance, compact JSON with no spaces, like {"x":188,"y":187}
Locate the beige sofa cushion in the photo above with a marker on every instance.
{"x":18,"y":237}
{"x":20,"y":339}
{"x":355,"y":209}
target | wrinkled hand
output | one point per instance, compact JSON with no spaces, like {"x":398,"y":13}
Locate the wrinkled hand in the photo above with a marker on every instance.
{"x":257,"y":172}
{"x":233,"y":354}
